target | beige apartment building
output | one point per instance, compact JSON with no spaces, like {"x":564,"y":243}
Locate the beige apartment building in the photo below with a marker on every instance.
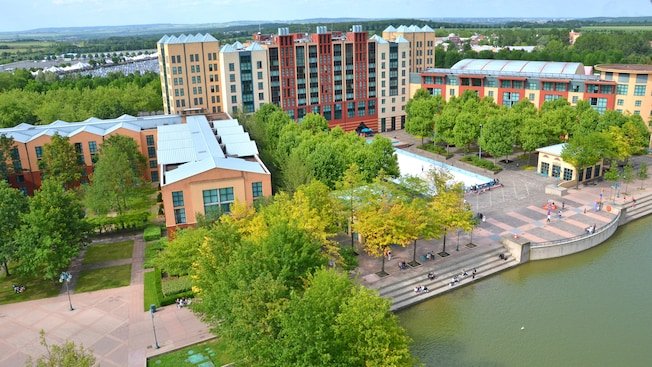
{"x":633,"y":87}
{"x":190,"y":77}
{"x":422,"y":44}
{"x":244,"y":77}
{"x":392,"y":82}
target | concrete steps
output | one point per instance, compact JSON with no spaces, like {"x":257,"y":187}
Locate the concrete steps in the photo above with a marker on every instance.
{"x":486,"y":262}
{"x":643,"y":207}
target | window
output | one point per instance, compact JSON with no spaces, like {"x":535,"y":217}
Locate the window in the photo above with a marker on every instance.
{"x":234,"y":99}
{"x":588,"y":174}
{"x":259,"y":64}
{"x":489,"y":93}
{"x":532,"y":85}
{"x":152,"y":163}
{"x":620,"y":102}
{"x":257,"y":189}
{"x":151,"y":152}
{"x":575,"y":98}
{"x":568,"y":174}
{"x":596,"y":170}
{"x":80,"y":153}
{"x":261,"y":96}
{"x":154,"y":175}
{"x":177,"y":199}
{"x":39,"y":152}
{"x":232,"y":77}
{"x":621,"y":89}
{"x":231,"y":66}
{"x":556,"y":170}
{"x":92,"y":147}
{"x":232,"y":88}
{"x":180,"y":216}
{"x":623,"y":78}
{"x":150,"y":140}
{"x":451,"y":92}
{"x":260,"y":75}
{"x":637,"y":103}
{"x":260,"y":86}
{"x":545,"y":168}
{"x":530,"y":96}
{"x":639,"y":90}
{"x":217,"y":201}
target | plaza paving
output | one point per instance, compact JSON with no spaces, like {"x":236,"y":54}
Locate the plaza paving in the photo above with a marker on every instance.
{"x":113,"y":324}
{"x":110,"y":322}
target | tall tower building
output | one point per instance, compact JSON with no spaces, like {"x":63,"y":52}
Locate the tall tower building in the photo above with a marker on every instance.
{"x":422,"y":45}
{"x":392,"y":81}
{"x":328,"y":73}
{"x":245,"y":77}
{"x":190,"y":77}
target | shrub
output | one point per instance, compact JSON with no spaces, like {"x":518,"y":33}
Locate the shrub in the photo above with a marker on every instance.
{"x":132,"y":220}
{"x":437,"y":149}
{"x":482,"y":163}
{"x":152,"y":233}
{"x":176,"y":285}
{"x":159,"y":197}
{"x":349,"y":260}
{"x":153,"y":293}
{"x":152,"y":249}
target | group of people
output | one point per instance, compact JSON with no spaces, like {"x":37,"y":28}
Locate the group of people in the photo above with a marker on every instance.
{"x":430,"y":256}
{"x":183,"y":302}
{"x":458,"y":277}
{"x":18,"y":288}
{"x":432,"y":276}
{"x":402,"y":265}
{"x":421,"y":289}
{"x":590,"y":229}
{"x":485,"y":186}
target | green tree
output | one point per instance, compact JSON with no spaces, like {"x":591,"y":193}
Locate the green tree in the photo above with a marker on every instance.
{"x":60,"y":161}
{"x":628,"y":175}
{"x":642,"y":173}
{"x":181,"y":252}
{"x":497,"y":137}
{"x":6,"y":144}
{"x":314,"y":122}
{"x":466,"y":130}
{"x":66,"y":355}
{"x":349,"y":193}
{"x":52,"y":232}
{"x":13,"y":204}
{"x":117,"y":176}
{"x":295,"y":172}
{"x":612,"y":175}
{"x":421,"y":112}
{"x":535,"y":134}
{"x":586,"y":150}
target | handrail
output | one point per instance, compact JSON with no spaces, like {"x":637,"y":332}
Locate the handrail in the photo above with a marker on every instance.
{"x":585,"y":235}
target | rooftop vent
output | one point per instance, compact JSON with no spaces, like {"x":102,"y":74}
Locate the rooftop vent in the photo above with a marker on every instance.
{"x":284,"y":31}
{"x":357,"y":28}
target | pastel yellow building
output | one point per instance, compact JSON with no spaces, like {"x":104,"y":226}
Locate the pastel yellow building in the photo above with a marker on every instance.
{"x":190,"y":76}
{"x":422,"y":44}
{"x":551,"y":164}
{"x":245,"y":77}
{"x":633,"y":88}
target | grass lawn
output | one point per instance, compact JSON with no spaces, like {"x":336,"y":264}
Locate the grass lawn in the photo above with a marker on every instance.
{"x":150,"y":295}
{"x":214,"y":350}
{"x":112,"y":277}
{"x":35,"y":288}
{"x":110,"y":251}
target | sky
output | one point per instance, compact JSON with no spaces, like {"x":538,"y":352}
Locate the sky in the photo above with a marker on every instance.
{"x":16,"y":15}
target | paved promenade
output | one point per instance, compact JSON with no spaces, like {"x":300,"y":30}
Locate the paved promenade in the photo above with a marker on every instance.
{"x":110,"y":322}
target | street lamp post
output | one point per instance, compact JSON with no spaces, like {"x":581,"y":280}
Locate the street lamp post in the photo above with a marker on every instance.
{"x":479,"y":146}
{"x":151,"y":312}
{"x":66,"y":277}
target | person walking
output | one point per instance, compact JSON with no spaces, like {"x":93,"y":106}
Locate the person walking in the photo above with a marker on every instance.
{"x":548,"y":218}
{"x":559,"y":214}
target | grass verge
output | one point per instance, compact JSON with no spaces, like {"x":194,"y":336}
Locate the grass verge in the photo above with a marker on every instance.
{"x":110,"y":251}
{"x":35,"y":288}
{"x":215,"y":350}
{"x":111,"y":277}
{"x":482,"y":163}
{"x":150,"y":292}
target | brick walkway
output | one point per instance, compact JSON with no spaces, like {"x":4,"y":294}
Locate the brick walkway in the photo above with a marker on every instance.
{"x":111,"y":322}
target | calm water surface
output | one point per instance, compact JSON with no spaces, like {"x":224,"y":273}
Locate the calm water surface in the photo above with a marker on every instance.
{"x":589,"y":309}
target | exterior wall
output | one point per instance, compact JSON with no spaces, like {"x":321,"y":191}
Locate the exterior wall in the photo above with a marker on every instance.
{"x":573,"y":245}
{"x":392,"y":58}
{"x":208,"y":101}
{"x":553,"y":160}
{"x":193,"y":187}
{"x":258,"y":57}
{"x":422,"y":48}
{"x":627,"y":75}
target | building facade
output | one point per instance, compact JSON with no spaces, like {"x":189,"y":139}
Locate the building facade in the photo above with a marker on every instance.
{"x":190,"y":74}
{"x":87,"y":138}
{"x":206,"y":167}
{"x":329,"y":73}
{"x":421,"y":41}
{"x":551,"y":164}
{"x":633,"y":87}
{"x":392,"y":81}
{"x":245,"y":77}
{"x":509,"y":81}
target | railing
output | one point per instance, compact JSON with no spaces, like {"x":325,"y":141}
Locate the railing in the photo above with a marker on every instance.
{"x":582,"y":236}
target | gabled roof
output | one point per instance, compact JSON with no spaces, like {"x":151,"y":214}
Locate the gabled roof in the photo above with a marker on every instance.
{"x":187,"y":39}
{"x":390,"y":29}
{"x":401,"y":39}
{"x":378,"y":39}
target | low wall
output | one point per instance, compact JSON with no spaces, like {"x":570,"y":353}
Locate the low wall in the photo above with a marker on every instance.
{"x":569,"y":246}
{"x":519,"y":247}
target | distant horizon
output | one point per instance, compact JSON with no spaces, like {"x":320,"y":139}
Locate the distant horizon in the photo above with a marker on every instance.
{"x":43,"y":14}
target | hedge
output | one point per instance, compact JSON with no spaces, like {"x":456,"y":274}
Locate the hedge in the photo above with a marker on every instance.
{"x":103,"y":224}
{"x":152,"y":233}
{"x":153,"y":292}
{"x":482,"y":163}
{"x":437,"y":149}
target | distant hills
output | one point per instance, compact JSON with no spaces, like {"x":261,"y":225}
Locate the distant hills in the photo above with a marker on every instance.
{"x":78,"y":33}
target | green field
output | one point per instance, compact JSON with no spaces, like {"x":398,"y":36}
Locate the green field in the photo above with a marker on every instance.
{"x":24,"y":46}
{"x":108,"y":252}
{"x":112,"y":277}
{"x":35,"y":288}
{"x":631,"y":28}
{"x":215,"y":351}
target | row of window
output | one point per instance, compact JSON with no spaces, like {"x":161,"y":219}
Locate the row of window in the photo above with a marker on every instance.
{"x":216,"y":201}
{"x":624,"y":77}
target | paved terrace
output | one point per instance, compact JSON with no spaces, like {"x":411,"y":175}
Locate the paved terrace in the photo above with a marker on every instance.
{"x":517,"y":209}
